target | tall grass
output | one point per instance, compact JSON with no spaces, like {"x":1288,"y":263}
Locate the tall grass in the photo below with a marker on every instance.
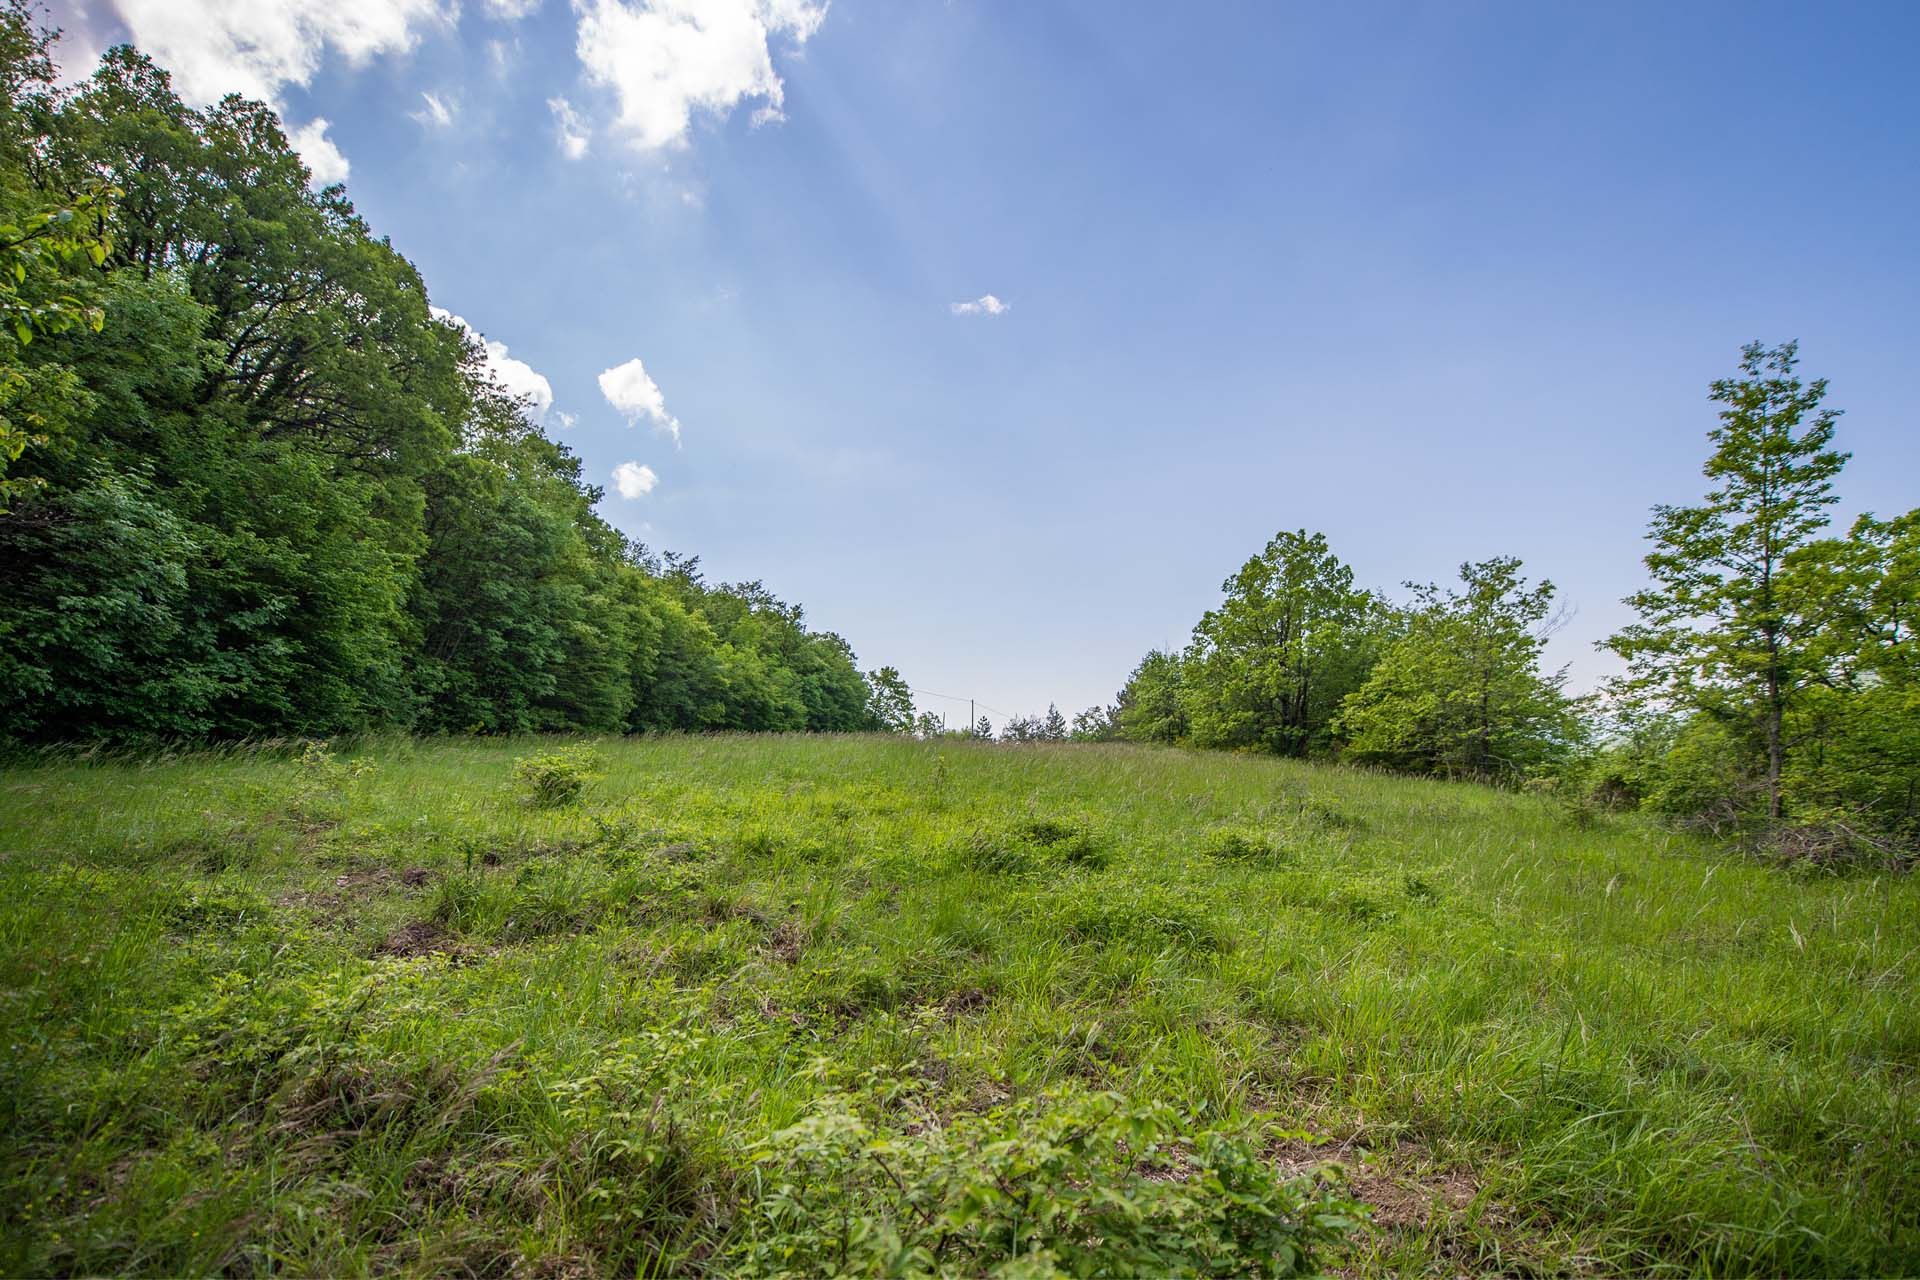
{"x":263,"y":1013}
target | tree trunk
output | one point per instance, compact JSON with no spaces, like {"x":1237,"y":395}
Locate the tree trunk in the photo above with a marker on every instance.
{"x":1774,"y":718}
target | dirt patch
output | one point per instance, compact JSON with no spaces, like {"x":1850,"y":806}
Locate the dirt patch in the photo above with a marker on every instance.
{"x":557,"y":1266}
{"x":419,"y":938}
{"x":414,"y":877}
{"x":1404,"y":1189}
{"x":787,"y":942}
{"x":321,"y":902}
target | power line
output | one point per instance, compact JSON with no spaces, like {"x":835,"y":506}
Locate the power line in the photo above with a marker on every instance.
{"x":929,"y":693}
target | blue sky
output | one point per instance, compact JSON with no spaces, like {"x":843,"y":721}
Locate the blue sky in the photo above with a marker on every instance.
{"x":1444,"y":281}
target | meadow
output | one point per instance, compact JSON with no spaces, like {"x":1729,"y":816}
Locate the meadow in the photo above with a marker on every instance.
{"x":759,"y":1004}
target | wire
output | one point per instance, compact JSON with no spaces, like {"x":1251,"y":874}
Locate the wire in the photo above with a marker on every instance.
{"x":928,"y":693}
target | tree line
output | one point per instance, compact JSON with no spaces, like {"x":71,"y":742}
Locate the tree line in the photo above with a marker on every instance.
{"x":250,"y":485}
{"x":1772,"y":682}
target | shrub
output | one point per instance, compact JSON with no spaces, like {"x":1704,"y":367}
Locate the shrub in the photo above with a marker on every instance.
{"x":556,"y":780}
{"x":1068,"y":1184}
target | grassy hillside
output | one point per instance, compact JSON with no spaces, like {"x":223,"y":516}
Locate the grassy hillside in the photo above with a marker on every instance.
{"x":760,"y":1002}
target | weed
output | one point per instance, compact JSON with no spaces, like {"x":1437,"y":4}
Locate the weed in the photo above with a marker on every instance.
{"x":555,"y":780}
{"x":1067,"y":1184}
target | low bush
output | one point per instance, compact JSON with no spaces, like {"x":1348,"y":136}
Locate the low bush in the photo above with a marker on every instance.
{"x":1069,"y":1184}
{"x":557,"y":779}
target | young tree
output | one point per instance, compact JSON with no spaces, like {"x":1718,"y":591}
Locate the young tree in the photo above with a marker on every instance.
{"x":983,"y":729}
{"x":889,"y":700}
{"x":1095,"y":724}
{"x":1854,"y":731}
{"x":1021,"y":729}
{"x":1268,"y":668}
{"x":1723,"y":630}
{"x":1150,"y":708}
{"x":1054,"y":727}
{"x":1460,"y":691}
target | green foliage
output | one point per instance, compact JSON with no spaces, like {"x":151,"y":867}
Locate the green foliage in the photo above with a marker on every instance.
{"x":1152,"y":708}
{"x":1095,"y":724}
{"x":1723,"y":628}
{"x":556,"y":779}
{"x":1783,"y":661}
{"x":1299,"y":661}
{"x":1459,"y":690}
{"x":889,"y":701}
{"x":1068,"y":1184}
{"x":1267,"y":669}
{"x":42,"y":255}
{"x":272,"y":494}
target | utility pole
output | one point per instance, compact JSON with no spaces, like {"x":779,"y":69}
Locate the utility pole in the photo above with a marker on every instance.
{"x":973,"y":721}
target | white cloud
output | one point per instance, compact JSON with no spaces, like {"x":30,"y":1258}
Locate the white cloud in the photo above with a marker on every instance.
{"x":630,"y":389}
{"x":984,"y":305}
{"x":573,"y":129}
{"x":634,"y":480}
{"x":666,"y":59}
{"x":257,"y":47}
{"x":564,"y":421}
{"x":323,"y":159}
{"x":438,"y":113}
{"x":511,"y":10}
{"x":521,"y":380}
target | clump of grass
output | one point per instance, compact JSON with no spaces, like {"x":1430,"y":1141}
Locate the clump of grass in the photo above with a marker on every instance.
{"x":1246,"y":845}
{"x":1145,"y":921}
{"x":557,"y":779}
{"x":1034,"y":844}
{"x":211,"y":908}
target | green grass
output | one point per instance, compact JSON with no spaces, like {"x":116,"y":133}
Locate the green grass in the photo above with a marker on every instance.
{"x":264,"y":1015}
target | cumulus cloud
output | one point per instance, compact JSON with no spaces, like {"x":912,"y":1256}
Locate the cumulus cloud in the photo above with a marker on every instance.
{"x":634,"y":480}
{"x":984,"y":305}
{"x":437,"y":113}
{"x":630,"y":389}
{"x":664,"y":60}
{"x":258,"y":47}
{"x":571,"y":127}
{"x":323,"y":159}
{"x":511,"y":10}
{"x":521,"y":380}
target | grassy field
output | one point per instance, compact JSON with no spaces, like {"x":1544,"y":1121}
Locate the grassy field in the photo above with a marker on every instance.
{"x":765,"y":1003}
